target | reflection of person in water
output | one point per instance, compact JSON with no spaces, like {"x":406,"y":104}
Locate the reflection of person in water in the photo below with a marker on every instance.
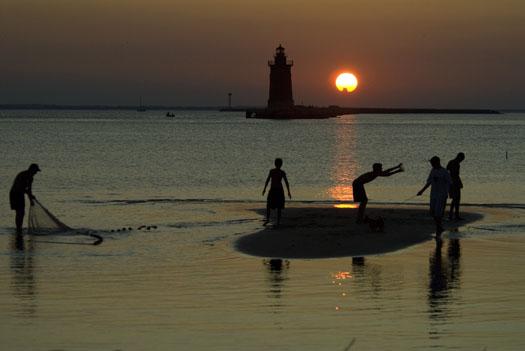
{"x":367,"y":276}
{"x":358,"y":261}
{"x":438,"y":278}
{"x":23,"y":280}
{"x":454,"y":254}
{"x":21,"y":186}
{"x":443,"y":276}
{"x":358,"y":185}
{"x":358,"y":267}
{"x":276,"y":194}
{"x":276,"y":268}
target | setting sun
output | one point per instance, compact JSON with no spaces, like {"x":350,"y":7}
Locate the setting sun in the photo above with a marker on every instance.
{"x":346,"y":81}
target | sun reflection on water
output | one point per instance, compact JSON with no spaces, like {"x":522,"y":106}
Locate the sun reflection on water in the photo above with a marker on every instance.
{"x":344,"y":166}
{"x":342,"y":275}
{"x":338,"y":279}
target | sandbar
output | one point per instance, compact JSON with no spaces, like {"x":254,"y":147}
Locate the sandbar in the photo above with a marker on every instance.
{"x":310,"y":231}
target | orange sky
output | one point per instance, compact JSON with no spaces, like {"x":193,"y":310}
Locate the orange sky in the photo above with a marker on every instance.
{"x":462,"y":53}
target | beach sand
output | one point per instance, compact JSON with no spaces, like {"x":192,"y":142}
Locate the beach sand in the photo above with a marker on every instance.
{"x":327,"y":231}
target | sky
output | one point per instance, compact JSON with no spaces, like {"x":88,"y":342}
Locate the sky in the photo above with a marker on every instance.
{"x":405,"y":53}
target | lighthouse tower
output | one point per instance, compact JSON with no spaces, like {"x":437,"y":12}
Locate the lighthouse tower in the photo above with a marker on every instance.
{"x":280,"y":81}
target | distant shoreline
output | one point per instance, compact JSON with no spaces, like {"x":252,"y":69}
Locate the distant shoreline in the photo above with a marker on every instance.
{"x":104,"y":107}
{"x":349,"y":110}
{"x":312,"y":112}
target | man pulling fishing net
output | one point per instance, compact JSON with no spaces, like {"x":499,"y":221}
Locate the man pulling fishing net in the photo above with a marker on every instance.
{"x":40,"y":220}
{"x":21,"y":186}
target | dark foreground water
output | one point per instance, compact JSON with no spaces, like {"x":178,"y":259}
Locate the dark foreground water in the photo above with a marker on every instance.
{"x":197,"y":177}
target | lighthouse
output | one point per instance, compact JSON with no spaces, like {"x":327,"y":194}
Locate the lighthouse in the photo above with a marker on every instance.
{"x":280,"y":96}
{"x":280,"y":101}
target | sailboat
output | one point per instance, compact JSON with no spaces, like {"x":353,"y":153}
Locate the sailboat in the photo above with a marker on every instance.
{"x":141,"y":107}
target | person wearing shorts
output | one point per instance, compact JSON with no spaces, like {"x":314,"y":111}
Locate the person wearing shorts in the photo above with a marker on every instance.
{"x":358,"y":185}
{"x":276,"y":198}
{"x":21,"y":186}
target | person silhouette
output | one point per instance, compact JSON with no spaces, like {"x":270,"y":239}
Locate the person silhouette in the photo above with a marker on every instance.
{"x":276,"y":198}
{"x":22,"y":185}
{"x":440,"y":181}
{"x":358,"y":185}
{"x":456,"y":186}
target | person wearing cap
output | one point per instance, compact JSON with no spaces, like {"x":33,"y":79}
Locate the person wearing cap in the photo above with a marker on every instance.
{"x":22,"y":185}
{"x":358,"y":185}
{"x":439,"y":180}
{"x":457,"y":185}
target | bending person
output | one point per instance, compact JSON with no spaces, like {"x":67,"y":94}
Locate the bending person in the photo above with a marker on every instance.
{"x":440,"y":181}
{"x":358,"y":185}
{"x":275,"y":198}
{"x":22,"y":185}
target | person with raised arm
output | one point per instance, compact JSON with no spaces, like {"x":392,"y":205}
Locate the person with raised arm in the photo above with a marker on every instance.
{"x":358,"y":185}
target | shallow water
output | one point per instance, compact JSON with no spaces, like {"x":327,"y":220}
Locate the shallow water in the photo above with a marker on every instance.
{"x":197,"y":177}
{"x":94,"y":155}
{"x":188,"y":289}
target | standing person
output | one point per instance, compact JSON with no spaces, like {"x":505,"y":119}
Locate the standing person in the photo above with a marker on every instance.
{"x":358,"y":185}
{"x":457,"y":185}
{"x":275,"y":198}
{"x":22,"y":185}
{"x":440,"y":181}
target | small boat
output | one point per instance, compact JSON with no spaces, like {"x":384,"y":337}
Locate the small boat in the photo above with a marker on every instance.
{"x":170,"y":114}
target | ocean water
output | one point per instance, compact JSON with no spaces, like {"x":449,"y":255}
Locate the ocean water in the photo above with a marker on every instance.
{"x":198,"y":177}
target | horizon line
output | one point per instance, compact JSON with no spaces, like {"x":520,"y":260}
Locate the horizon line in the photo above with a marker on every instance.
{"x":239,"y":108}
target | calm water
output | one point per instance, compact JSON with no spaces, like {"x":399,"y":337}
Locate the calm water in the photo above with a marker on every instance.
{"x":197,"y":177}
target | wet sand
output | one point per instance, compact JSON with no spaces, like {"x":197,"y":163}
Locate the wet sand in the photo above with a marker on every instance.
{"x":324,"y":232}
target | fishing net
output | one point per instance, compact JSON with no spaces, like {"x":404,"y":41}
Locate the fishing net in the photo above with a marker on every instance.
{"x":41,"y":221}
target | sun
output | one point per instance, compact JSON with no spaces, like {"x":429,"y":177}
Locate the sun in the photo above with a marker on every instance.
{"x":346,"y":81}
